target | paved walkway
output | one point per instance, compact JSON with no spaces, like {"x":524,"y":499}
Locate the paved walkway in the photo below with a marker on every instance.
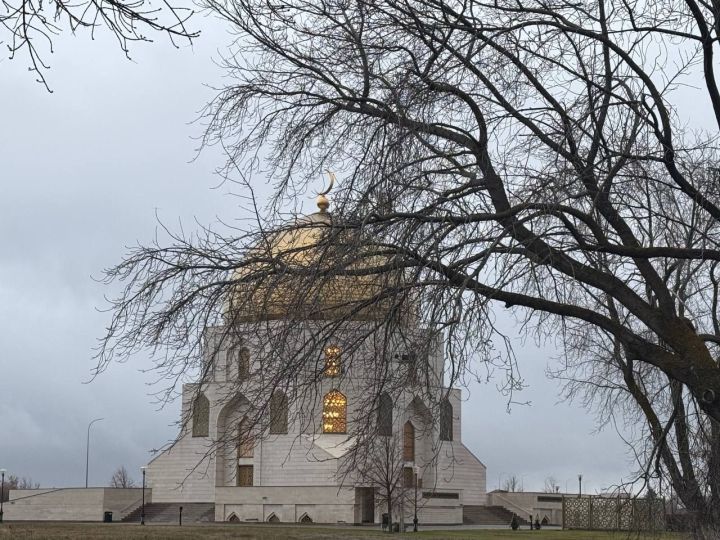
{"x":473,"y":527}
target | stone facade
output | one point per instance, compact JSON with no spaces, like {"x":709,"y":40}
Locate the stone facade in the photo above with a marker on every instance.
{"x":295,"y":475}
{"x":298,"y":466}
{"x":73,"y":504}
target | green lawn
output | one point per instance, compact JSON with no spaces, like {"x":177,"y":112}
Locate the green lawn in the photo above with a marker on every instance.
{"x":116,"y":531}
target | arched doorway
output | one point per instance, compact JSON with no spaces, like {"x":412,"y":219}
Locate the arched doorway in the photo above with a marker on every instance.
{"x":230,"y":421}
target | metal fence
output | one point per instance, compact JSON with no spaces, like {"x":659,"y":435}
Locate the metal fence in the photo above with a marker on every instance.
{"x":616,"y":513}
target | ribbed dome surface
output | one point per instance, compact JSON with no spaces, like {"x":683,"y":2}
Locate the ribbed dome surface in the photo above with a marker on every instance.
{"x":299,"y":275}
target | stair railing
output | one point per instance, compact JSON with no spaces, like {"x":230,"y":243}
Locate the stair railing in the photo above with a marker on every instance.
{"x":513,"y":507}
{"x":130,"y":508}
{"x":53,"y":490}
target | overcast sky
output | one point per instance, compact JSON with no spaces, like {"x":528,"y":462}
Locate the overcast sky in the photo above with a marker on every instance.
{"x":83,"y":173}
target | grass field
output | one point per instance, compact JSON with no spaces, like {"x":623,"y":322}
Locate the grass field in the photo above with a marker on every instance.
{"x":117,"y":531}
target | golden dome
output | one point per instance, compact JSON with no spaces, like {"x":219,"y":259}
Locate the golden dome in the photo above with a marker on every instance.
{"x":297,"y":273}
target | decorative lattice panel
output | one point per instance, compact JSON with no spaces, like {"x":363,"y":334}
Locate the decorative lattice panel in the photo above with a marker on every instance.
{"x":576,"y":513}
{"x":625,"y":513}
{"x":648,"y":515}
{"x":603,"y":513}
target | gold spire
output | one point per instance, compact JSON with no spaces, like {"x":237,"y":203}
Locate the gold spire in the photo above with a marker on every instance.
{"x":322,"y":201}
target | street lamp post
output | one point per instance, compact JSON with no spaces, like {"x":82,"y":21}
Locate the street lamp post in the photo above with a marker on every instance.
{"x":415,"y":518}
{"x":87,"y":450}
{"x":142,"y":511}
{"x":2,"y":492}
{"x":579,"y":485}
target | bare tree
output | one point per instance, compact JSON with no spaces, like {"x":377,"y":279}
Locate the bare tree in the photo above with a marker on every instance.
{"x":27,"y":483}
{"x":551,"y":485}
{"x":382,"y":467}
{"x":512,"y":484}
{"x":121,"y":479}
{"x":28,"y":28}
{"x":521,"y":156}
{"x":15,"y":482}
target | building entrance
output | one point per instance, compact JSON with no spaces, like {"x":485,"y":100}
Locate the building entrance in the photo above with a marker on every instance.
{"x":365,"y":499}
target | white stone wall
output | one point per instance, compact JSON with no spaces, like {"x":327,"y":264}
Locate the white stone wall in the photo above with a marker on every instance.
{"x":183,"y":473}
{"x":190,"y":472}
{"x":437,"y":515}
{"x":122,"y":501}
{"x":529,"y":503}
{"x":286,"y":460}
{"x":289,"y":503}
{"x":457,"y":467}
{"x":72,"y":504}
{"x":431,"y":511}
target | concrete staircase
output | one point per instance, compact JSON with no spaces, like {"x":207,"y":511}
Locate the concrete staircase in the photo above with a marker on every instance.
{"x":489,"y":515}
{"x":170,"y":513}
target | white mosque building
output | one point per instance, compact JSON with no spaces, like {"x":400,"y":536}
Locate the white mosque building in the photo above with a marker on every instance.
{"x":294,"y":472}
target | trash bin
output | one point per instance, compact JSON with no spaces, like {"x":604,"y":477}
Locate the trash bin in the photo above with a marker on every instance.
{"x":107,"y":517}
{"x":396,"y":527}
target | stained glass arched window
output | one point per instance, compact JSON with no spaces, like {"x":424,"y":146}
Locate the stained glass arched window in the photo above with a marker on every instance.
{"x":446,"y":421}
{"x":385,"y":419}
{"x":278,"y":413}
{"x":333,"y":361}
{"x":409,"y":441}
{"x":334,"y":416}
{"x":201,"y":416}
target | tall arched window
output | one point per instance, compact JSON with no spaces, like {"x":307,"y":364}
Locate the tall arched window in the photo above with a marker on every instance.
{"x":409,"y":441}
{"x":333,"y":361}
{"x":246,"y":443}
{"x":334,"y":412}
{"x":278,"y":413}
{"x":201,"y":416}
{"x":385,"y":419}
{"x":446,"y":420}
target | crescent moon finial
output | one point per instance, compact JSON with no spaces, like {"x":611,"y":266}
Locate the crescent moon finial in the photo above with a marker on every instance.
{"x":331,"y":176}
{"x":322,"y":201}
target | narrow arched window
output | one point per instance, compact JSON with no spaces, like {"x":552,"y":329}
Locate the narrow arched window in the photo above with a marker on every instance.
{"x":334,"y":415}
{"x":200,"y":416}
{"x":333,"y":361}
{"x":238,"y":364}
{"x":242,"y":358}
{"x":278,"y":413}
{"x":409,"y":441}
{"x":446,"y":421}
{"x":246,"y":443}
{"x":385,"y":419}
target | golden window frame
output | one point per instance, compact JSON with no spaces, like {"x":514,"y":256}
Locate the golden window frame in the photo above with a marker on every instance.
{"x":333,"y":361}
{"x":334,"y":416}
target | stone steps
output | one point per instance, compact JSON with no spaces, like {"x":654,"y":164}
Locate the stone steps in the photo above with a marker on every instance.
{"x":170,"y":513}
{"x":489,"y":515}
